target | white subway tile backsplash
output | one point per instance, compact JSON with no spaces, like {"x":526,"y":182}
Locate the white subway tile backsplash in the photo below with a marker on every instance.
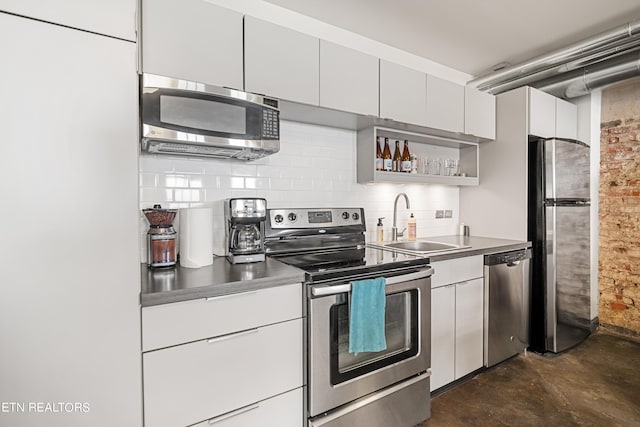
{"x":150,"y":196}
{"x":196,"y":181}
{"x":218,"y":167}
{"x":280,"y":184}
{"x":316,"y":166}
{"x":188,"y":165}
{"x":267,"y":172}
{"x":148,"y":179}
{"x":156,"y":163}
{"x":185,"y":195}
{"x":257,"y":183}
{"x":242,"y":169}
{"x":174,"y":181}
{"x":302,"y":184}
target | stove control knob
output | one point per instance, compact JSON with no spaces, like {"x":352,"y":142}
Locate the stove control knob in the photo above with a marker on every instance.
{"x":345,"y":215}
{"x":292,"y":217}
{"x":278,"y":219}
{"x":355,"y":216}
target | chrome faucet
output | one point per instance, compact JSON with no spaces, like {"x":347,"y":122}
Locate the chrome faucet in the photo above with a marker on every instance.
{"x":394,"y":230}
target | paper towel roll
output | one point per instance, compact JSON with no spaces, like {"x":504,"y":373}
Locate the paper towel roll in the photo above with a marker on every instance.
{"x":196,"y":237}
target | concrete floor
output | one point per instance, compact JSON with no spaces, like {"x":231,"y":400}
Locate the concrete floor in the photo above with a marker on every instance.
{"x":594,"y":384}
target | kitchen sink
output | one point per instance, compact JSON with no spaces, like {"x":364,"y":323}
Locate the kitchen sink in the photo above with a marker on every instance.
{"x":423,"y":246}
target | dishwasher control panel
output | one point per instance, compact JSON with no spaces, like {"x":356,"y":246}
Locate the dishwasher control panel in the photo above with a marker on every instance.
{"x":507,"y":257}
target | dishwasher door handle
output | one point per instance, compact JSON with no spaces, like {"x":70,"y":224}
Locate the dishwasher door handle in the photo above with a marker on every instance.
{"x":513,"y":263}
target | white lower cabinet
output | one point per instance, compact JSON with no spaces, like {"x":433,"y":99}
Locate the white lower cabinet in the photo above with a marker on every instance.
{"x":285,"y":408}
{"x":469,"y":327}
{"x":235,"y":373}
{"x":443,"y":338}
{"x":457,"y":316}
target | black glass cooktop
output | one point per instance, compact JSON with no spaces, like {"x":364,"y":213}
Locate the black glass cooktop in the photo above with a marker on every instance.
{"x":346,"y":264}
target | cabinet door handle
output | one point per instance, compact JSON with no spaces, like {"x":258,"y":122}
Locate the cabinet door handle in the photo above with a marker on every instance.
{"x":233,"y":414}
{"x":232,"y":336}
{"x":239,"y":294}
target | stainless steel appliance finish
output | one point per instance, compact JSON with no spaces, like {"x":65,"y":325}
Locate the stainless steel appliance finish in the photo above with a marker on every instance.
{"x":507,"y":281}
{"x":337,"y":377}
{"x":558,"y":226}
{"x":399,"y":405}
{"x":345,"y":389}
{"x":394,"y":230}
{"x":245,"y":229}
{"x":182,"y":117}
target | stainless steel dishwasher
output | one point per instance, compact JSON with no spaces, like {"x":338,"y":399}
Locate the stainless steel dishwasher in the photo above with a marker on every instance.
{"x":507,"y":281}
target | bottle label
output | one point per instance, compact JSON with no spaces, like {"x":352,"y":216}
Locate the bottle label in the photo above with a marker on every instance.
{"x":406,"y":166}
{"x":379,"y":164}
{"x":412,"y":231}
{"x":388,"y":164}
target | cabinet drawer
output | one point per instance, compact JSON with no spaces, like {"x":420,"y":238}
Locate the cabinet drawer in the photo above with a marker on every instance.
{"x":457,"y":270}
{"x":284,"y":410}
{"x":181,"y":322}
{"x":201,"y":380}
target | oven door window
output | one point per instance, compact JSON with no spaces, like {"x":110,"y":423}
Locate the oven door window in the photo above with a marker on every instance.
{"x":401,"y":331}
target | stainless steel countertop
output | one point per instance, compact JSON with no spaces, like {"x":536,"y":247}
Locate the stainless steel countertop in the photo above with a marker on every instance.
{"x":476,"y":246}
{"x":173,"y":284}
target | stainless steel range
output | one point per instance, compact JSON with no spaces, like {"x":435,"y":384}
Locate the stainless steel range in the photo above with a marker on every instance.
{"x":385,"y":388}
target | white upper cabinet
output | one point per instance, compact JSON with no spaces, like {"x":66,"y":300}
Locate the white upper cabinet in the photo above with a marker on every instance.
{"x":566,"y":119}
{"x":348,"y":79}
{"x":281,"y":62}
{"x":479,"y":113}
{"x":192,"y":40}
{"x":445,"y":105}
{"x":115,"y":18}
{"x":551,"y":117}
{"x":542,"y":114}
{"x":402,"y":94}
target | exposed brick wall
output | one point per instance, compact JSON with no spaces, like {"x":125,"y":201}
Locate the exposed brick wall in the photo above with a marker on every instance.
{"x":619,"y":267}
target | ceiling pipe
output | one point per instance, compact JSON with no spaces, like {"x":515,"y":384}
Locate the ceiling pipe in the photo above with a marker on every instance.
{"x":561,"y":71}
{"x":583,"y":81}
{"x":596,"y":48}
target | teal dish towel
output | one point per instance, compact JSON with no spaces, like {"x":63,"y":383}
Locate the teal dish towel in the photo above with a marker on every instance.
{"x":366,"y":317}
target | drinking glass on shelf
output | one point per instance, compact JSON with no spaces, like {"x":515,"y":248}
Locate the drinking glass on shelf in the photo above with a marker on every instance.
{"x":439,"y":167}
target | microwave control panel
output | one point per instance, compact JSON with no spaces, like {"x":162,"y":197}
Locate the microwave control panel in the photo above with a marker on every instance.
{"x":270,"y":124}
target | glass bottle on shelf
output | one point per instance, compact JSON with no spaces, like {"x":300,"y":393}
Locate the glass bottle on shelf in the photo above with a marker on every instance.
{"x":387,"y":163}
{"x":379,"y":160}
{"x":397,"y":158}
{"x":405,"y":165}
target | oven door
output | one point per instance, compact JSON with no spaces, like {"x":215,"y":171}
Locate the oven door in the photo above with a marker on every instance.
{"x":337,"y":377}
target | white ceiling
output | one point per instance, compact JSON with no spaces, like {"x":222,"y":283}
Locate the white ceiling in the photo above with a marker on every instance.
{"x":471,"y":35}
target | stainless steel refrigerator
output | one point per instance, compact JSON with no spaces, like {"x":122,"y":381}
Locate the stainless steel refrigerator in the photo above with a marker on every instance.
{"x":558,"y":226}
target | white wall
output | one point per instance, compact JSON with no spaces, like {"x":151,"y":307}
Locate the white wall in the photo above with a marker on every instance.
{"x":305,"y":24}
{"x":589,"y":108}
{"x":316,"y":167}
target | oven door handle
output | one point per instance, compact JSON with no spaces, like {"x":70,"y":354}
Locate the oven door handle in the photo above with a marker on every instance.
{"x":326,"y":290}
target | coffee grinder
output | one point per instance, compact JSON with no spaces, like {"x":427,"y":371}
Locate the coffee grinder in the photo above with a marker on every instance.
{"x":245,"y":229}
{"x":161,"y":237}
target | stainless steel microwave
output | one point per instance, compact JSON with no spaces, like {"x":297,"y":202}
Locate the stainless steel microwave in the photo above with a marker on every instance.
{"x":195,"y":119}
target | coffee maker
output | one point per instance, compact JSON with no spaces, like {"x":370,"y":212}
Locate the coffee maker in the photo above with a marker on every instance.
{"x":245,"y":229}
